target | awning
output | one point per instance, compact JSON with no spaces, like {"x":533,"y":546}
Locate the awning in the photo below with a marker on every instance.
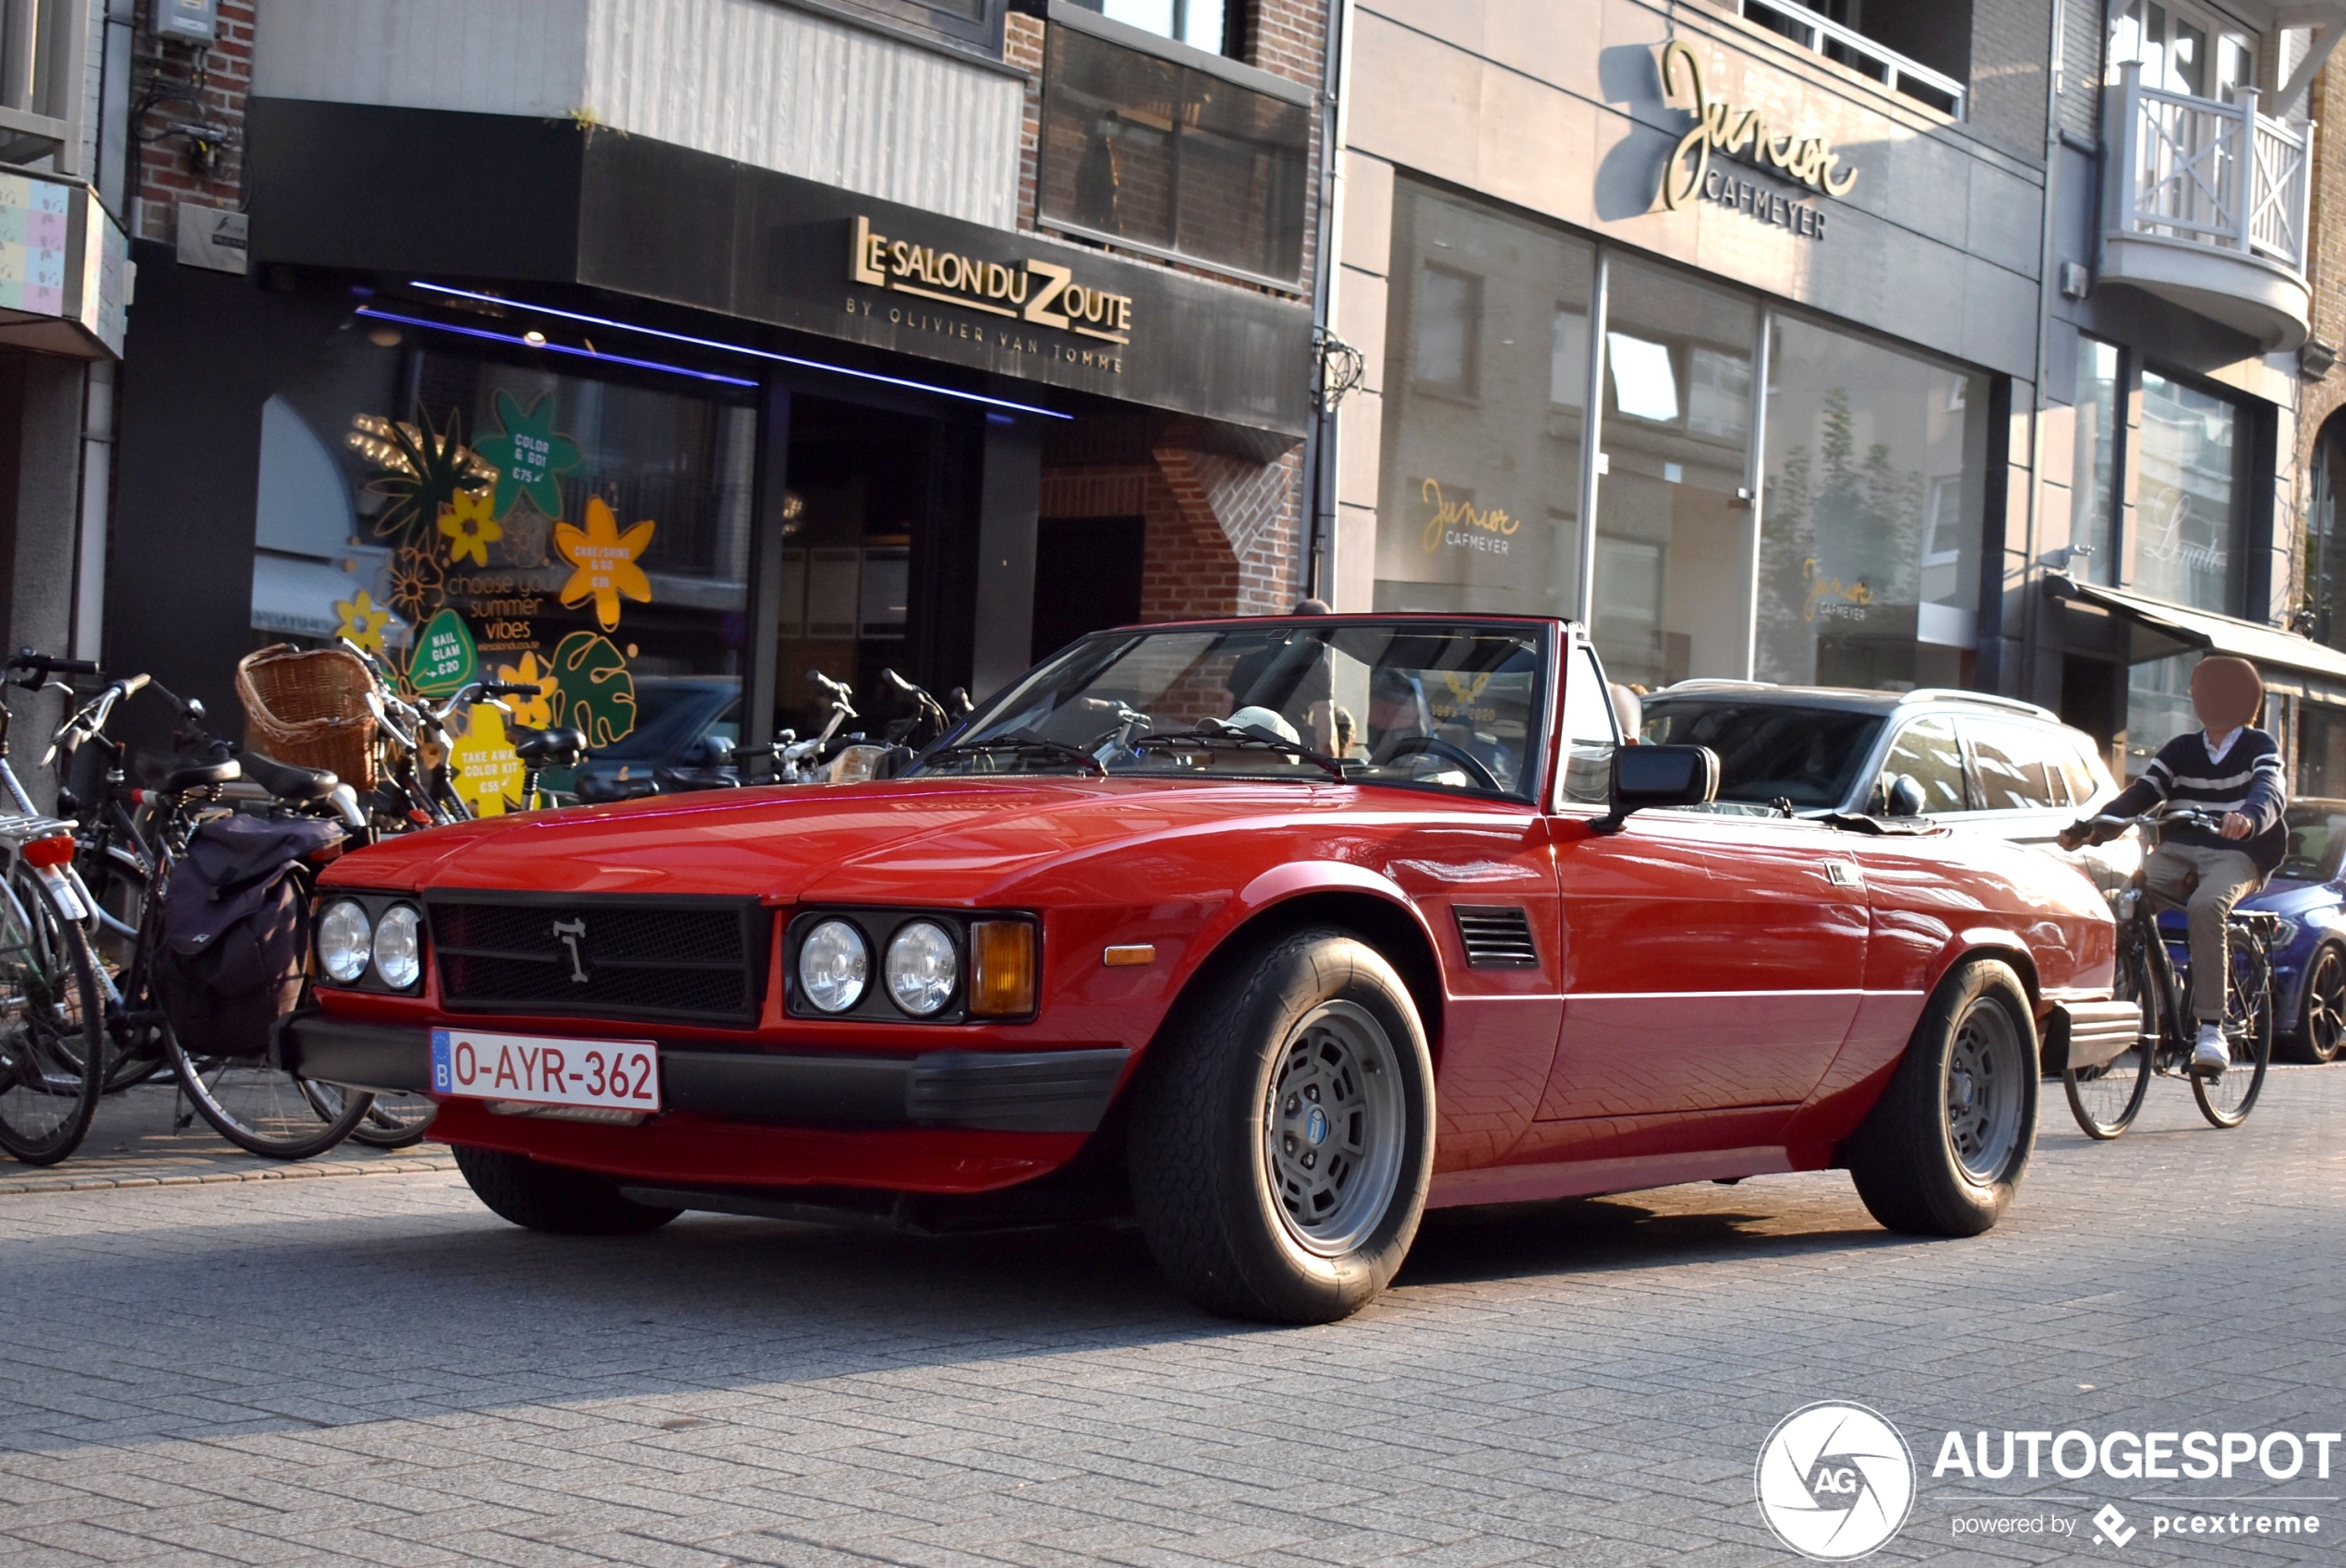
{"x":2268,"y":647}
{"x":296,"y":594}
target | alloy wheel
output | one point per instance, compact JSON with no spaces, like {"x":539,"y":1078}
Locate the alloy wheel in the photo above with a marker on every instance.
{"x":1333,"y":1128}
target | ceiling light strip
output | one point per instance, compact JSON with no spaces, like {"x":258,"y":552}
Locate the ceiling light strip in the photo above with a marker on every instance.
{"x":929,"y":387}
{"x":370,"y":311}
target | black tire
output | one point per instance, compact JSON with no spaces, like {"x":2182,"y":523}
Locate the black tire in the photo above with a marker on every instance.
{"x":53,"y":1036}
{"x":555,"y":1198}
{"x":2320,"y":1033}
{"x":1944,"y":1150}
{"x":2105,"y":1099}
{"x":1233,"y":1112}
{"x":2248,"y":1025}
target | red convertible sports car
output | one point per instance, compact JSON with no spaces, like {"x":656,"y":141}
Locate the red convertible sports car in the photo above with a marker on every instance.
{"x":1271,"y":934}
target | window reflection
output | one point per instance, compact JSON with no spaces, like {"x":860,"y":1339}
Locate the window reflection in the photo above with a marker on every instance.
{"x":2187,"y":512}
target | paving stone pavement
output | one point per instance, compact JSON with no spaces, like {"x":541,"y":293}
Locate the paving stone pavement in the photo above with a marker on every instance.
{"x":379,"y":1373}
{"x":136,"y":1139}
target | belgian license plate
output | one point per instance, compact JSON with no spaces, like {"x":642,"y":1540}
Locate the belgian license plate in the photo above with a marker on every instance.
{"x":621,"y":1075}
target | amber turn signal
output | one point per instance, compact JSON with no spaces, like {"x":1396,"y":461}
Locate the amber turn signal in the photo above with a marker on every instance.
{"x":1002,"y":977}
{"x":1130,"y":953}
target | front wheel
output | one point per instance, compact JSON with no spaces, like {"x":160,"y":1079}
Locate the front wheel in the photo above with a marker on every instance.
{"x":2248,"y":1028}
{"x":53,"y":1040}
{"x":1943,"y":1151}
{"x":264,"y":1109}
{"x":2321,"y":1014}
{"x":2106,"y":1099}
{"x":555,"y":1198}
{"x":1283,"y":1135}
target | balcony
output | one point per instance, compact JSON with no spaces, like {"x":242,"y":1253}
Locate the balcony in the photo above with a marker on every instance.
{"x":1878,"y":59}
{"x":42,"y":47}
{"x":2207,"y":208}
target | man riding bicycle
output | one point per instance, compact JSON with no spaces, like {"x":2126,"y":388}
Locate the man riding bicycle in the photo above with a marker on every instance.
{"x":2227,"y":769}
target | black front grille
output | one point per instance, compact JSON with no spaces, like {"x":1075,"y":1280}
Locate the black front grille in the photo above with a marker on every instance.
{"x":1496,"y":939}
{"x":701,"y":960}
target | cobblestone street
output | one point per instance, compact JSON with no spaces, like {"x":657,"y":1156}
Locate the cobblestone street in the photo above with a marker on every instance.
{"x":379,"y":1371}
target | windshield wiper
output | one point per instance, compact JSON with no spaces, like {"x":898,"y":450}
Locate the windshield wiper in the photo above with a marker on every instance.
{"x":1021,"y":743}
{"x":1207,"y":739}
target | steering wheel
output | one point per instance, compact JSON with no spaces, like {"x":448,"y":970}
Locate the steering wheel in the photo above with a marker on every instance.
{"x":1410,"y":746}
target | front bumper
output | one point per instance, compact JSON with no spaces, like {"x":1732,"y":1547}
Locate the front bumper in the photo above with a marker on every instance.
{"x":1059,"y":1092}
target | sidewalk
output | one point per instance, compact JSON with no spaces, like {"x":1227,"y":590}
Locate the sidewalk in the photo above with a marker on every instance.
{"x":134,"y":1143}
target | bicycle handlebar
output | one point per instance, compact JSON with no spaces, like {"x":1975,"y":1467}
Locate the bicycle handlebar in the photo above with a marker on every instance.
{"x":41,"y":663}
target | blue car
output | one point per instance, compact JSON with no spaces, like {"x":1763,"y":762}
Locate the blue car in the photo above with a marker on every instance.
{"x":2309,"y":968}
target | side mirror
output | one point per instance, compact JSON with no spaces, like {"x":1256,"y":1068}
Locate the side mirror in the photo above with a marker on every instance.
{"x":1647,"y":777}
{"x":1905,"y":797}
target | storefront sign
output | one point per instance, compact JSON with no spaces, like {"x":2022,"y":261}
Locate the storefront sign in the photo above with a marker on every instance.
{"x":1457,"y":524}
{"x":1738,"y":131}
{"x":1023,"y":290}
{"x":1755,"y":200}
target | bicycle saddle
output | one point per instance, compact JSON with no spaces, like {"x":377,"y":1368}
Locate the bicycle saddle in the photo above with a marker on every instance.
{"x":558,"y":747}
{"x":287,"y":781}
{"x":191,"y":775}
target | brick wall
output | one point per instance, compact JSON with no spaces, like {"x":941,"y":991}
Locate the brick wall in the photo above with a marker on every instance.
{"x":2325,"y":269}
{"x":179,"y":84}
{"x":2009,"y":42}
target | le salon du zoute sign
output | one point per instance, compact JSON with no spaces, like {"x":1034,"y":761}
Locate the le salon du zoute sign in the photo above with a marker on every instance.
{"x":1025,"y":291}
{"x":1740,"y":131}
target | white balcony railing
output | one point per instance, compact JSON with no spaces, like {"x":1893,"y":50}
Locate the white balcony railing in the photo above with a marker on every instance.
{"x":1847,"y":46}
{"x":2219,"y":174}
{"x":44,"y":44}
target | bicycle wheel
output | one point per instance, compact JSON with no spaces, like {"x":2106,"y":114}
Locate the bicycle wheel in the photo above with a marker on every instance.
{"x":395,"y":1121}
{"x":263,"y":1108}
{"x":52,"y":1038}
{"x":2248,"y":1026}
{"x":2105,"y":1100}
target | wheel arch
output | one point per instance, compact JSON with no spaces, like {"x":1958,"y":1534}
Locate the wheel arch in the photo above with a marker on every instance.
{"x":1376,"y":914}
{"x":1989,"y":942}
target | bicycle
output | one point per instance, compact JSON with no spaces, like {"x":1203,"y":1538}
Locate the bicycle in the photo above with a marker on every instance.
{"x":2106,"y":1098}
{"x":53,"y":1035}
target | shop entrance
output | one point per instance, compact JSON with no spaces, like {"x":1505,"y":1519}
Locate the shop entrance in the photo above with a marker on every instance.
{"x":1087,"y":577}
{"x":878,"y":553}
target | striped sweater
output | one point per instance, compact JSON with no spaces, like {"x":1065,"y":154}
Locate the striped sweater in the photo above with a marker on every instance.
{"x":2247,"y":780}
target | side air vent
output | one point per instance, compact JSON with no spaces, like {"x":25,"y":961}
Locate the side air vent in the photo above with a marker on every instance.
{"x":1497,"y":938}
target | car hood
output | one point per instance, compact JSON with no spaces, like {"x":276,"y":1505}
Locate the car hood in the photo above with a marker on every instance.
{"x":908,"y":840}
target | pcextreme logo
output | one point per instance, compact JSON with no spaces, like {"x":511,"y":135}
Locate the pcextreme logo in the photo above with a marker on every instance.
{"x":1835,"y":1481}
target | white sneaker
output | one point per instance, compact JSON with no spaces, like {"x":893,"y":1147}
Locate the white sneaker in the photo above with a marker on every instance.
{"x":2211,"y":1055}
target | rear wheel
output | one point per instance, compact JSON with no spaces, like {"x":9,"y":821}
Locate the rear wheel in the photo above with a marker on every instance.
{"x":2105,"y":1100}
{"x":1283,"y":1135}
{"x":1944,"y":1151}
{"x":554,"y":1198}
{"x":2248,"y":1027}
{"x":2321,"y":1013}
{"x":53,"y":1041}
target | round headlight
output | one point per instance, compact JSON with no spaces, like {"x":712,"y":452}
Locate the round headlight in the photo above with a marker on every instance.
{"x":922,"y":970}
{"x":344,"y":935}
{"x":834,"y":965}
{"x":399,"y":946}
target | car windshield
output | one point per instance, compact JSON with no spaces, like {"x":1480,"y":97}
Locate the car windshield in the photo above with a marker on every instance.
{"x":1429,"y":704}
{"x":2316,"y":842}
{"x":1770,"y":752}
{"x":671,"y":715}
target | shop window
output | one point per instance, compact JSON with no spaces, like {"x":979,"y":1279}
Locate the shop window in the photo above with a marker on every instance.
{"x":2322,"y":612}
{"x":2158,"y":707}
{"x":471,"y":516}
{"x":1871,"y":539}
{"x":2189,"y":511}
{"x":1487,"y":367}
{"x":971,"y":23}
{"x":2097,"y":462}
{"x":1672,"y":562}
{"x":2321,"y":751}
{"x":1173,"y":159}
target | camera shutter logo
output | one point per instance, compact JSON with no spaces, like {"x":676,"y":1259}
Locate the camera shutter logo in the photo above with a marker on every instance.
{"x":1835,"y":1481}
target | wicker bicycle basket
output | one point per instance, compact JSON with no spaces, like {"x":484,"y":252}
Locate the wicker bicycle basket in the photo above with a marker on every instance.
{"x":310,"y":709}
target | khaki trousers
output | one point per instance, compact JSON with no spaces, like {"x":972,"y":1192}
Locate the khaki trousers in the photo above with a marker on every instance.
{"x":2206,"y":884}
